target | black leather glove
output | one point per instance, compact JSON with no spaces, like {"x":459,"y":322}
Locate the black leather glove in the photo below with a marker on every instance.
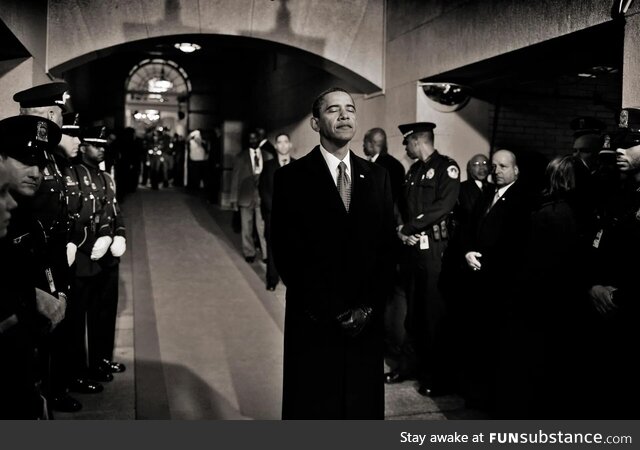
{"x":353,"y":321}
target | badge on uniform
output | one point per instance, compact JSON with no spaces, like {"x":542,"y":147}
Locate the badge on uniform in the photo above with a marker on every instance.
{"x":42,"y":132}
{"x":46,"y":172}
{"x":94,"y":187}
{"x":424,"y":242}
{"x":68,"y":180}
{"x":453,"y":172}
{"x":86,"y":180}
{"x":624,"y":119}
{"x":430,"y":173}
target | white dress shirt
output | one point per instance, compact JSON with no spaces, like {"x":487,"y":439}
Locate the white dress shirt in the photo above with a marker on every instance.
{"x":374,"y":157}
{"x":332,"y":163}
{"x":253,"y":152}
{"x":500,"y":192}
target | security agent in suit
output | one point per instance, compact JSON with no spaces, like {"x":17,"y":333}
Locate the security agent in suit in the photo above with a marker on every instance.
{"x":29,"y":273}
{"x":430,"y":193}
{"x":99,"y":236}
{"x":614,"y":294}
{"x":332,"y":230}
{"x":375,"y":148}
{"x":247,"y":167}
{"x":493,"y":246}
{"x":265,"y":186}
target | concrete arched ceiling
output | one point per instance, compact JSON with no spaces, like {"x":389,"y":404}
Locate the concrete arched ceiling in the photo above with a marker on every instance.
{"x":347,"y":33}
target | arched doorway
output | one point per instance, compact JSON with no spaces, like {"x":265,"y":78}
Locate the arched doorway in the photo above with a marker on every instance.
{"x":157,"y":101}
{"x":157,"y":95}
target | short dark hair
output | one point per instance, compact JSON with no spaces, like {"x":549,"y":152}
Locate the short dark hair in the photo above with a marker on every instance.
{"x":317,"y":103}
{"x":368,"y":136}
{"x":426,"y":135}
{"x":283,"y":134}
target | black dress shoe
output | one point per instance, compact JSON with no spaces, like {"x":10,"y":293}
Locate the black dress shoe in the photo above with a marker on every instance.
{"x":249,"y":259}
{"x":85,"y":386}
{"x":100,"y":374}
{"x":111,"y":366}
{"x":393,"y":377}
{"x":65,"y":403}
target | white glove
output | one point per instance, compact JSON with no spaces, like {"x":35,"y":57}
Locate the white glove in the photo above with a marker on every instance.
{"x":71,"y":253}
{"x":100,"y":247}
{"x":119,"y":246}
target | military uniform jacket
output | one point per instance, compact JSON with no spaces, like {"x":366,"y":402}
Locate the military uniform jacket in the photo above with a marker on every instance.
{"x":616,"y":247}
{"x":50,"y":209}
{"x":99,"y":215}
{"x":430,"y":193}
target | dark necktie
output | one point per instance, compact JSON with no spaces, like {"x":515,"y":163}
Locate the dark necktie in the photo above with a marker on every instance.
{"x":256,"y":160}
{"x":344,"y":184}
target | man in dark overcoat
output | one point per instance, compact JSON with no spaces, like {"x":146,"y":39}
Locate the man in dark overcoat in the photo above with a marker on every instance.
{"x":494,"y":250}
{"x":332,"y":230}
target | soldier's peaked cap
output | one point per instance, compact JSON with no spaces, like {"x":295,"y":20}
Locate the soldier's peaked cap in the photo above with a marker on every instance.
{"x":50,"y":94}
{"x":418,"y":127}
{"x":94,"y":135}
{"x":26,"y":138}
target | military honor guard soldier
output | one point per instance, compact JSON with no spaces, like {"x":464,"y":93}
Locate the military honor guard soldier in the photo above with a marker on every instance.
{"x":98,"y":243}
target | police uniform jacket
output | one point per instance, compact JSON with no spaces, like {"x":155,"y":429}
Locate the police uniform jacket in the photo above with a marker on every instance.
{"x":99,"y":216}
{"x":50,"y":209}
{"x":430,"y":194}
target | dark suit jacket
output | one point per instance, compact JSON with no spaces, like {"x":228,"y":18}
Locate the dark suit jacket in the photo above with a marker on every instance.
{"x":396,"y":172}
{"x":332,"y":260}
{"x":244,"y":185}
{"x":265,"y":185}
{"x":500,"y":235}
{"x":467,"y":198}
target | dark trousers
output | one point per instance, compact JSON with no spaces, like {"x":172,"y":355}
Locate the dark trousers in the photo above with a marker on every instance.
{"x":196,"y":174}
{"x":98,"y":297}
{"x":425,"y":319}
{"x":19,"y":397}
{"x":272,"y":273}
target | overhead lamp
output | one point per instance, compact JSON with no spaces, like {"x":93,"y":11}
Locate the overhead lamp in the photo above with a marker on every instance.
{"x":187,"y":47}
{"x":159,"y":85}
{"x":446,"y":97}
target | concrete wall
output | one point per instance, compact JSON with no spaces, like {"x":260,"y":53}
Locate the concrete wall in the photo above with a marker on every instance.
{"x":82,"y":28}
{"x":428,"y":37}
{"x":28,"y":22}
{"x":631,"y":68}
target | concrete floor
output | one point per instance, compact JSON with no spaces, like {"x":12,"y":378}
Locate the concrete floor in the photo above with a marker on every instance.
{"x":199,"y":333}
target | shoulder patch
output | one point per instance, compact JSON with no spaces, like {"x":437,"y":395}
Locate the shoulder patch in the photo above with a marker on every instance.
{"x":453,"y":171}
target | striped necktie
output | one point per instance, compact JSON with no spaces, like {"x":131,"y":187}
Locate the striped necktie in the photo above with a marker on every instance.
{"x":344,"y":185}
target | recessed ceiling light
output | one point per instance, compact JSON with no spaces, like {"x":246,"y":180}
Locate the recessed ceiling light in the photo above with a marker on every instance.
{"x":187,"y":47}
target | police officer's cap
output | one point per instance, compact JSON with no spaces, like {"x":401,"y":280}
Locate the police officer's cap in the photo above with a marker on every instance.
{"x":26,"y":138}
{"x":50,"y":94}
{"x":410,"y":128}
{"x":628,"y":134}
{"x":587,"y":125}
{"x":71,"y":124}
{"x":94,"y":135}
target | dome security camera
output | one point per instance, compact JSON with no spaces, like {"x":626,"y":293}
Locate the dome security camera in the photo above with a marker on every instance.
{"x":446,"y":97}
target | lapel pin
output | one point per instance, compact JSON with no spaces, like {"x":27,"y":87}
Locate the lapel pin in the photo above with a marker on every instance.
{"x":361,"y":176}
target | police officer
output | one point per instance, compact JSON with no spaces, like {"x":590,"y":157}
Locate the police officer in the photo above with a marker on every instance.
{"x":28,"y":268}
{"x":430,"y":193}
{"x":614,"y":294}
{"x":50,"y":209}
{"x":99,"y":236}
{"x":587,"y":140}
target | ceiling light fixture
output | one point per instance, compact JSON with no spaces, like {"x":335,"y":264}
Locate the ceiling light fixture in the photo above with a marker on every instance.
{"x":187,"y":47}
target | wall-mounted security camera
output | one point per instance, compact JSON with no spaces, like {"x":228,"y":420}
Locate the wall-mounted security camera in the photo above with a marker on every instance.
{"x":446,"y":97}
